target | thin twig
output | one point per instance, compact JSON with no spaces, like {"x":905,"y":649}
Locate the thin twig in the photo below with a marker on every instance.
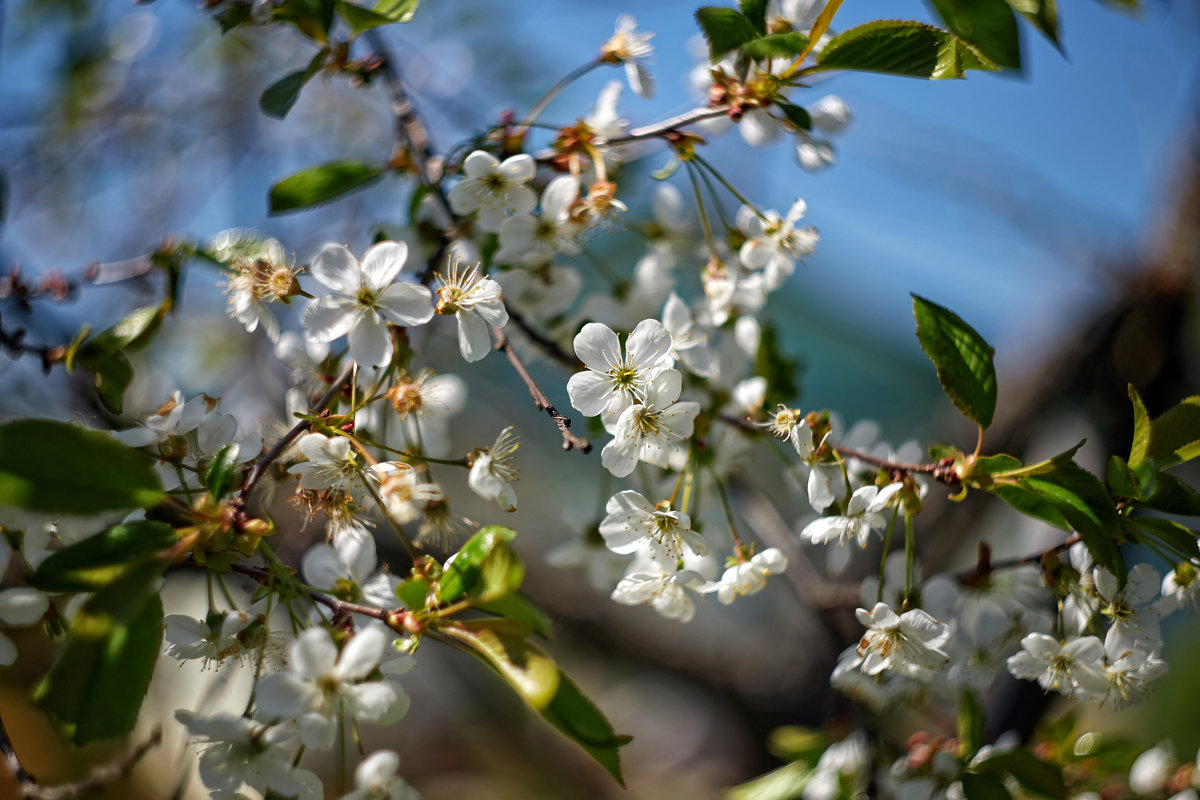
{"x":260,"y":467}
{"x":547,"y":344}
{"x":563,"y":423}
{"x":99,"y":777}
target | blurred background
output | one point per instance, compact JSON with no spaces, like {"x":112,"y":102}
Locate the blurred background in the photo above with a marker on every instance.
{"x":1057,"y":210}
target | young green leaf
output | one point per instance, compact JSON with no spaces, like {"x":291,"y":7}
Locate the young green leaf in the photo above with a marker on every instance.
{"x":96,"y":685}
{"x":580,"y":721}
{"x":413,"y":593}
{"x":1140,"y":448}
{"x":725,"y":29}
{"x":222,"y":472}
{"x":776,"y":45}
{"x":1175,"y":434}
{"x":278,"y":98}
{"x":317,"y":185}
{"x":962,"y":358}
{"x":1172,"y":496}
{"x":519,"y":608}
{"x":505,"y":646}
{"x":56,"y":467}
{"x":796,"y":115}
{"x":1087,"y":507}
{"x":756,"y":12}
{"x":983,"y":787}
{"x":486,"y":568}
{"x":362,"y":19}
{"x":1042,"y":14}
{"x":912,"y":49}
{"x":1177,"y":538}
{"x":990,"y":25}
{"x":99,"y":560}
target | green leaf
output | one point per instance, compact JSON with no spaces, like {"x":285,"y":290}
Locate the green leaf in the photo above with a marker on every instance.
{"x":363,"y":19}
{"x":1175,"y":435}
{"x":56,"y":467}
{"x":1180,"y":539}
{"x":1001,"y":462}
{"x":519,"y":608}
{"x":796,"y":115}
{"x":1140,"y":448}
{"x":322,"y":184}
{"x":990,"y":25}
{"x":912,"y":49}
{"x":111,"y":375}
{"x":1042,"y":14}
{"x":797,"y":743}
{"x":99,"y":560}
{"x":1041,"y":467}
{"x":970,"y":722}
{"x":414,"y":594}
{"x":1120,"y":478}
{"x":222,"y":472}
{"x":579,"y":720}
{"x":398,"y":10}
{"x":505,"y":646}
{"x":313,"y":18}
{"x":756,"y":12}
{"x":777,"y":45}
{"x":103,"y":355}
{"x":1087,"y":507}
{"x":98,"y":680}
{"x":485,"y":568}
{"x":983,"y":787}
{"x":962,"y":358}
{"x":1039,"y":777}
{"x":278,"y":98}
{"x":1173,"y":496}
{"x":1030,"y":503}
{"x":725,"y":29}
{"x":785,"y":783}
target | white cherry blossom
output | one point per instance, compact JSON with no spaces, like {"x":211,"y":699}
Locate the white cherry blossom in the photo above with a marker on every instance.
{"x":634,"y":525}
{"x":375,"y":778}
{"x":1135,"y":619}
{"x":531,"y":240}
{"x":1074,"y":668}
{"x":666,"y":592}
{"x":909,"y":643}
{"x":614,"y":381}
{"x":689,"y":338}
{"x":493,"y":188}
{"x":322,"y":684}
{"x":366,"y":298}
{"x":493,"y":470}
{"x":864,"y":514}
{"x":748,"y":577}
{"x":633,"y":49}
{"x":652,"y":430}
{"x":476,"y":302}
{"x":240,"y":751}
{"x":346,"y":567}
{"x":772,"y":244}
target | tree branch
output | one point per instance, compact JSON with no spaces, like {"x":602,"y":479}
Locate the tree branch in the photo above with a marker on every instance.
{"x":563,"y":423}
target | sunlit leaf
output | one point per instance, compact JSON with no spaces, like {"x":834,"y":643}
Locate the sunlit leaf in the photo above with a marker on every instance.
{"x":912,"y":49}
{"x":56,"y":467}
{"x":103,"y":558}
{"x":962,"y":358}
{"x":990,"y":25}
{"x":322,"y":184}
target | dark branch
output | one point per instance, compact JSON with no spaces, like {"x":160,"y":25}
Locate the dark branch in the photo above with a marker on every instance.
{"x":563,"y":423}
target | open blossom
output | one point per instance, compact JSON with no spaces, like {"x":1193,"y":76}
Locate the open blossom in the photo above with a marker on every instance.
{"x":221,"y":635}
{"x":367,"y":298}
{"x":633,"y":49}
{"x":1130,"y":670}
{"x":634,"y":525}
{"x":1074,"y":668}
{"x":1135,"y":619}
{"x":773,"y":244}
{"x":748,"y":577}
{"x":614,"y":381}
{"x":864,"y":513}
{"x":651,"y":430}
{"x":493,"y":188}
{"x":535,"y":239}
{"x":322,"y":684}
{"x":262,"y":274}
{"x":240,"y":751}
{"x":493,"y":471}
{"x":402,"y":493}
{"x":909,"y":643}
{"x":332,"y":464}
{"x":689,"y":339}
{"x":375,"y":778}
{"x":665,"y":591}
{"x":475,"y":302}
{"x":346,"y":567}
